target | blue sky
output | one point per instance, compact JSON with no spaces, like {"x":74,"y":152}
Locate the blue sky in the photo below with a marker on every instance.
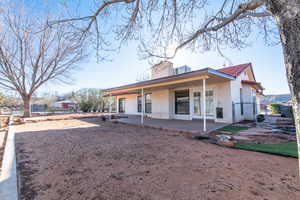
{"x":125,"y":67}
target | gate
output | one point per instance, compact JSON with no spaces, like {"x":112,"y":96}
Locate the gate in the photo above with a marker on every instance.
{"x":244,"y":111}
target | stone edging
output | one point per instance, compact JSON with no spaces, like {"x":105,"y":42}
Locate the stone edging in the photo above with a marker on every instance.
{"x":8,"y":178}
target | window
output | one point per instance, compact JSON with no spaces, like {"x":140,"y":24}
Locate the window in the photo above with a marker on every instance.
{"x":209,"y":102}
{"x":197,"y":103}
{"x":122,"y":105}
{"x":148,"y":103}
{"x":182,"y":102}
{"x":139,"y":103}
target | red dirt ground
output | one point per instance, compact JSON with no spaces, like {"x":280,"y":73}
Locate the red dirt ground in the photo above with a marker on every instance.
{"x":89,"y":159}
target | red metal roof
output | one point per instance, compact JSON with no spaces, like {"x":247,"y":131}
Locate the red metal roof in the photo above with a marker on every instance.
{"x":234,"y":70}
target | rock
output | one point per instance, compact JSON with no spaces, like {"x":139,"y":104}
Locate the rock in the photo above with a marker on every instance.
{"x":226,"y":143}
{"x":18,"y":121}
{"x":202,"y":137}
{"x":224,"y":138}
{"x":236,"y":137}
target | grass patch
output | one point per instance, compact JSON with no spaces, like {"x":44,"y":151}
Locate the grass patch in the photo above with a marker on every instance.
{"x":233,"y":128}
{"x":284,"y":149}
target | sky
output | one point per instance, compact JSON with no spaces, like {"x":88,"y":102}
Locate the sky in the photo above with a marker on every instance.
{"x":126,"y":67}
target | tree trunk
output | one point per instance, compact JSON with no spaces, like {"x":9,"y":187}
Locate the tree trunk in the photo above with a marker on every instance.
{"x":287,"y":15}
{"x":27,"y":106}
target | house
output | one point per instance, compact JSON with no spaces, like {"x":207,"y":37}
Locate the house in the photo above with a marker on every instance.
{"x":231,"y":94}
{"x":66,"y":104}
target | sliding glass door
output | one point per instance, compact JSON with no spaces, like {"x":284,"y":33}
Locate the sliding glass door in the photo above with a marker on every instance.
{"x":122,"y":105}
{"x":210,"y":107}
{"x":209,"y":100}
{"x":197,"y":103}
{"x":182,"y":102}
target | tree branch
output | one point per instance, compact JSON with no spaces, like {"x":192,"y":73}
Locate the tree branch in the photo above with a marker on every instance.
{"x":242,"y":11}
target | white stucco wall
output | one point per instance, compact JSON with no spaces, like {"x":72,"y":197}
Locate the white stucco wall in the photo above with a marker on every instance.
{"x":248,"y":97}
{"x":222,"y":99}
{"x":160,"y":104}
{"x":163,"y":102}
{"x":225,"y":93}
{"x":130,"y":103}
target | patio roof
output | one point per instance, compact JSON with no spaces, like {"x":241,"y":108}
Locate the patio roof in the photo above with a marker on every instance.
{"x":171,"y":80}
{"x":256,"y":85}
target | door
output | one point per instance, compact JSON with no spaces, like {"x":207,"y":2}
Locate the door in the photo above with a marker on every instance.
{"x":122,"y":105}
{"x":209,"y":101}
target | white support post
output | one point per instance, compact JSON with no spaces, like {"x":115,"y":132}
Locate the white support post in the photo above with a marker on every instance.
{"x":204,"y":103}
{"x":109,"y":102}
{"x":143,"y":102}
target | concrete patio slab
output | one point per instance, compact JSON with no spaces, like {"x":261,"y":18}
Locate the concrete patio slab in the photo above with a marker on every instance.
{"x":183,"y":126}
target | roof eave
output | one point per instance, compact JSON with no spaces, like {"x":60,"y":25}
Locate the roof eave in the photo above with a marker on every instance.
{"x":206,"y":71}
{"x":215,"y":72}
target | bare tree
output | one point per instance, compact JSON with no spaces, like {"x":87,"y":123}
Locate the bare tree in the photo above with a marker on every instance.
{"x":33,"y":53}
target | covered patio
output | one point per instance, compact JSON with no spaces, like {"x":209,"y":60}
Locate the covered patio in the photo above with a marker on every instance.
{"x":169,"y":100}
{"x":187,"y":126}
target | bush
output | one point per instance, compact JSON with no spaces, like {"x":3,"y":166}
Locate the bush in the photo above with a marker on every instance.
{"x":260,"y":118}
{"x":85,"y":106}
{"x":275,"y":107}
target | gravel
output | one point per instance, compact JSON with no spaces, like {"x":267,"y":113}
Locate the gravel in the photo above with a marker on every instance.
{"x":90,"y":159}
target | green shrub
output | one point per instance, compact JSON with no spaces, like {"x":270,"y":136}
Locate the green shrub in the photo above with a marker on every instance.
{"x":85,"y":106}
{"x":275,"y":108}
{"x":260,"y":118}
{"x":232,"y":128}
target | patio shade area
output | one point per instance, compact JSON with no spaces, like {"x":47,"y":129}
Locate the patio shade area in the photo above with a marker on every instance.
{"x":195,"y":126}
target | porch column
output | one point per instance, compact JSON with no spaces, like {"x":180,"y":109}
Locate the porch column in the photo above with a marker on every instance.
{"x":143,"y":102}
{"x":204,"y":103}
{"x":109,"y":102}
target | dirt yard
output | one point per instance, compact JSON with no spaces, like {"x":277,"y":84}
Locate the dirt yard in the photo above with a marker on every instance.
{"x":88,"y":159}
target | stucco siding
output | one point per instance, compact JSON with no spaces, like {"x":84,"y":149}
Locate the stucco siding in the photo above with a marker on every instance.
{"x":223,"y":100}
{"x":130,"y":103}
{"x":248,"y":95}
{"x":160,"y":104}
{"x":225,"y":95}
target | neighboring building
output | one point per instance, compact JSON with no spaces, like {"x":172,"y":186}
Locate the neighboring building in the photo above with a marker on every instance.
{"x":39,"y":107}
{"x":231,"y":94}
{"x":66,"y":105}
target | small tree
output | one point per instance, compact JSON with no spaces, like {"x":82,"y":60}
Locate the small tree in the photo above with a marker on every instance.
{"x":275,"y":108}
{"x":33,"y":53}
{"x":90,"y":99}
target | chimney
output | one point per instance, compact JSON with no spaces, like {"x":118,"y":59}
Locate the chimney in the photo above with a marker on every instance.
{"x":162,"y":69}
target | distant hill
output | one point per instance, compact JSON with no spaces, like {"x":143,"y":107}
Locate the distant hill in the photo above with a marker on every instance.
{"x":275,"y":98}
